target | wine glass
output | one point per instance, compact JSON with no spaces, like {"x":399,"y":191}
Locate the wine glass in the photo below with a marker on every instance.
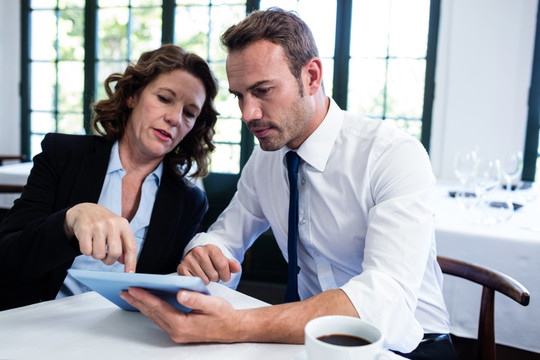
{"x":511,"y":166}
{"x":464,"y":165}
{"x":488,"y":177}
{"x":464,"y":168}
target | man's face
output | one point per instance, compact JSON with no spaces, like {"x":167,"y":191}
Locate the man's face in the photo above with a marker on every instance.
{"x":269,"y":96}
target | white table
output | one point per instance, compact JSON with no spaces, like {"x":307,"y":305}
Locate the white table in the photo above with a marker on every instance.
{"x":90,"y":327}
{"x":13,"y":174}
{"x":512,"y":247}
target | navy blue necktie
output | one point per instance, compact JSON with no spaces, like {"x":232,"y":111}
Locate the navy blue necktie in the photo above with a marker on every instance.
{"x":291,"y":293}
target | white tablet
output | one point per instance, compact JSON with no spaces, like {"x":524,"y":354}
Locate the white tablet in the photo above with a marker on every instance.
{"x":109,"y":285}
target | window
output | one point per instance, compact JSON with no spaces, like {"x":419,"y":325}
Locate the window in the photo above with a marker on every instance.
{"x":377,"y":65}
{"x":531,"y":160}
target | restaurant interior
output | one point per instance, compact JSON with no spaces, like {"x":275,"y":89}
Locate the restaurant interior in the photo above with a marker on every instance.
{"x":462,"y":76}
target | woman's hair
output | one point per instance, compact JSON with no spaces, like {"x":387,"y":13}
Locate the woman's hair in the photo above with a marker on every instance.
{"x":280,"y":27}
{"x":111,"y":115}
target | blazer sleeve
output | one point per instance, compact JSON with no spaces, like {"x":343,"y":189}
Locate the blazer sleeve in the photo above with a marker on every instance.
{"x":32,"y":238}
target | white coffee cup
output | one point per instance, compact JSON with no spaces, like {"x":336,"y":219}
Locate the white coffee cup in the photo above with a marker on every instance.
{"x":350,"y":327}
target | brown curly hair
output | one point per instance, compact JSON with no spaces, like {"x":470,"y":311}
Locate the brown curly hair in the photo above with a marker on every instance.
{"x":112,"y":114}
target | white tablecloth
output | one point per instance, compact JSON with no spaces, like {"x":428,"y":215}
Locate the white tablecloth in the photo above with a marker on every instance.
{"x":90,"y":327}
{"x":512,"y":247}
{"x":13,"y":174}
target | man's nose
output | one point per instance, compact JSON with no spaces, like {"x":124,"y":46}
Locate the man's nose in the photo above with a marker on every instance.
{"x":251,"y":110}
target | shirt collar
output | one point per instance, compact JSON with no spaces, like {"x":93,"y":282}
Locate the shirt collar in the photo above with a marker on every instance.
{"x":316,"y":149}
{"x":115,"y":165}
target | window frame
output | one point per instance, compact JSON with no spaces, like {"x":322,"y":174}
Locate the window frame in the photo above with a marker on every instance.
{"x":340,"y":75}
{"x":530,"y":154}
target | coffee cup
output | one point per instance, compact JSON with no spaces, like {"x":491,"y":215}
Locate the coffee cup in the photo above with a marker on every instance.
{"x":339,"y":337}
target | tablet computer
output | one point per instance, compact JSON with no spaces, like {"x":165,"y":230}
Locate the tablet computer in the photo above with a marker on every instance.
{"x":109,"y":284}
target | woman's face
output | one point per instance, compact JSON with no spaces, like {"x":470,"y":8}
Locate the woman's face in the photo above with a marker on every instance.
{"x":163,"y":114}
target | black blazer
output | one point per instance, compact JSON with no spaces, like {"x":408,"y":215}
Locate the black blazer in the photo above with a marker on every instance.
{"x":34,"y":250}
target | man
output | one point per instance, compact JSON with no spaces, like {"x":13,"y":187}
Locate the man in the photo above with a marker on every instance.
{"x":365,"y":224}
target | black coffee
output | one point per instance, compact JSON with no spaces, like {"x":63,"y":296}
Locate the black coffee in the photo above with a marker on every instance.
{"x":344,"y":340}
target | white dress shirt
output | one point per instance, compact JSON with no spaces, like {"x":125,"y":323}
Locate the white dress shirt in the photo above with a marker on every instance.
{"x":111,"y":198}
{"x":365,"y":222}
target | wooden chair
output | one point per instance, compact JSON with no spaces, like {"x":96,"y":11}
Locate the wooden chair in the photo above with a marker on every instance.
{"x":491,"y":281}
{"x":20,"y":158}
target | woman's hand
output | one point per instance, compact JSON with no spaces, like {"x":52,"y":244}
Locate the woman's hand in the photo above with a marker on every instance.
{"x":102,"y":234}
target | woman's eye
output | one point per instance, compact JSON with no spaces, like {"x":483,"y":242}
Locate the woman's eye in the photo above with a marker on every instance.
{"x":163,"y":99}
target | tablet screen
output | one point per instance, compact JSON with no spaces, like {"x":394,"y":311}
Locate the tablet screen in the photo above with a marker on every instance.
{"x":109,"y":285}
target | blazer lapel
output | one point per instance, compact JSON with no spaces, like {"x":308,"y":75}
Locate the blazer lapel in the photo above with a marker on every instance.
{"x":92,"y":171}
{"x":162,"y":228}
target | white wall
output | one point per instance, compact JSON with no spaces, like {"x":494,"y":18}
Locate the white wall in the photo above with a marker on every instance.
{"x":10,"y":51}
{"x":482,"y":78}
{"x":483,"y":73}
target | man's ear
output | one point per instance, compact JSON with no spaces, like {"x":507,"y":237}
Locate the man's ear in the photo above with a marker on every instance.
{"x":313,"y":72}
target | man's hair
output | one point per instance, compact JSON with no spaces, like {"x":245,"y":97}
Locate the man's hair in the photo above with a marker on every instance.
{"x":111,"y":115}
{"x":280,"y":27}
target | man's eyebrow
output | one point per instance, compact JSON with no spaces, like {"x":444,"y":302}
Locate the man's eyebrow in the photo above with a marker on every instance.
{"x":257,"y":84}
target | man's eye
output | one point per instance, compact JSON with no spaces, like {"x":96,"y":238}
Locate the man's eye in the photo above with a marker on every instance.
{"x":262,"y":91}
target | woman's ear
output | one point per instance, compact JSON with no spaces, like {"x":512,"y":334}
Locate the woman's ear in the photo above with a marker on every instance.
{"x":313,"y":72}
{"x":130,"y":102}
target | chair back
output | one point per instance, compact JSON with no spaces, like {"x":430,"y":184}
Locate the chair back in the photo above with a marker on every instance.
{"x":491,"y":281}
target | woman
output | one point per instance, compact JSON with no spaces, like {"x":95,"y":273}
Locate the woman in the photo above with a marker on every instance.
{"x":120,"y":200}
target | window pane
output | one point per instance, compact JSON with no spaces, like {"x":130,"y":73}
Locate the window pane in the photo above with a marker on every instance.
{"x":43,"y":86}
{"x":106,"y":68}
{"x":62,"y":4}
{"x":35,"y":141}
{"x":42,"y":122}
{"x":43,"y":35}
{"x":370,"y":27}
{"x":112,"y":3}
{"x":409,"y":22}
{"x":405,"y":88}
{"x":366,"y":86}
{"x":43,"y":4}
{"x":70,"y":123}
{"x":221,"y":18}
{"x":226,"y":159}
{"x":71,"y":34}
{"x":191,"y":29}
{"x":70,"y":86}
{"x":145,"y":31}
{"x":412,"y":127}
{"x":228,"y":130}
{"x":151,"y":3}
{"x":112,"y":33}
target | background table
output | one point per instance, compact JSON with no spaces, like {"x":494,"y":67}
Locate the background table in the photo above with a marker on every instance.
{"x":13,"y":174}
{"x":512,"y":247}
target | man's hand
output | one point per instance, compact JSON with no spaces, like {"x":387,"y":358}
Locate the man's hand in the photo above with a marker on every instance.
{"x":102,"y":234}
{"x":211,"y":320}
{"x":208,"y":263}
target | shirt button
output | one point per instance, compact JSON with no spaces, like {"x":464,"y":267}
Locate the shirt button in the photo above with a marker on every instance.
{"x":303,"y":181}
{"x":303,"y":221}
{"x":315,"y":253}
